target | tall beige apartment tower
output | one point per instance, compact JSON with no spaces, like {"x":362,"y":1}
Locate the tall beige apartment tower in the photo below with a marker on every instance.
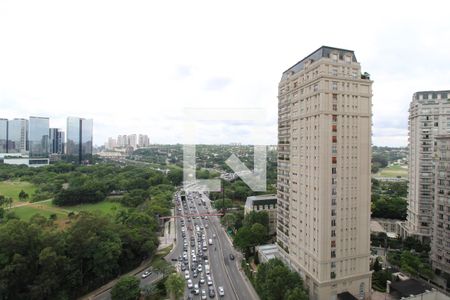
{"x":324,"y":154}
{"x":429,"y":116}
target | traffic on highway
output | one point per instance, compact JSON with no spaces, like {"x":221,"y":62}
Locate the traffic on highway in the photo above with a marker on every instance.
{"x":203,"y":254}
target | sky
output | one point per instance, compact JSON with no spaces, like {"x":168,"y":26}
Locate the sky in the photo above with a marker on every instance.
{"x":138,"y":66}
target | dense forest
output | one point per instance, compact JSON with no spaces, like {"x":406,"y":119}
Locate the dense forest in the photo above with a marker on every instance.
{"x":39,"y":260}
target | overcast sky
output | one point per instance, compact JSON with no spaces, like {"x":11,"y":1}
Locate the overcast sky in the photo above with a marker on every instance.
{"x":135,"y":66}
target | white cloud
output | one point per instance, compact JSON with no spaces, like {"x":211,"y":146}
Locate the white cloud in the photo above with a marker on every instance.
{"x":134,"y":66}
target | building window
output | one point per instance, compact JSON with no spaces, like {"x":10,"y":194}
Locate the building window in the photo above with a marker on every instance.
{"x":334,"y":118}
{"x":333,"y":253}
{"x":333,"y":244}
{"x":334,"y":139}
{"x":333,"y":128}
{"x":333,"y":160}
{"x":333,"y":233}
{"x":334,"y":86}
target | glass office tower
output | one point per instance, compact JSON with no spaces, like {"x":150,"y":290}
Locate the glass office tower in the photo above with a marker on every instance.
{"x":3,"y":135}
{"x":38,"y":138}
{"x":79,"y":139}
{"x":57,"y":137}
{"x":17,"y":136}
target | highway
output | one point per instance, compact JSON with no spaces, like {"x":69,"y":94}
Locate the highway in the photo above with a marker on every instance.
{"x":106,"y":295}
{"x":224,"y":271}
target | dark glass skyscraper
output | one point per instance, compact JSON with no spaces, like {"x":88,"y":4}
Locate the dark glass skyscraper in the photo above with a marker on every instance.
{"x":57,"y":138}
{"x":38,"y":136}
{"x":3,"y":135}
{"x":17,"y":136}
{"x":79,"y":139}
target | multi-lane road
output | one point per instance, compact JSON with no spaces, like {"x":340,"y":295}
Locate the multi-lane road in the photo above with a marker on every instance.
{"x":201,"y":241}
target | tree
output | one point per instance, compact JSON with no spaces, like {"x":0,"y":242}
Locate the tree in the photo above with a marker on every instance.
{"x":23,"y":196}
{"x":243,"y":240}
{"x":376,"y":265}
{"x":229,"y":219}
{"x":296,"y":294}
{"x":261,"y":217}
{"x":127,"y":288}
{"x":175,"y":286}
{"x":274,"y":281}
{"x":259,"y":234}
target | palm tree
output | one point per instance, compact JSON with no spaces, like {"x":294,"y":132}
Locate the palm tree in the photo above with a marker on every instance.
{"x":175,"y":286}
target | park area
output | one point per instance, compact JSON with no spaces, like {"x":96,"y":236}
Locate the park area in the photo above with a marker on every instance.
{"x":395,"y":171}
{"x":47,"y":208}
{"x":13,"y":188}
{"x":24,"y":209}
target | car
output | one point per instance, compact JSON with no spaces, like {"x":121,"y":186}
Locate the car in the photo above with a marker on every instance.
{"x":186,"y":275}
{"x":211,"y":292}
{"x":202,"y":280}
{"x":195,"y":274}
{"x":200,"y":268}
{"x":221,"y":291}
{"x":209,"y":280}
{"x":174,"y":259}
{"x":203,"y":295}
{"x":146,"y":274}
{"x":196,"y":289}
{"x":183,"y":267}
{"x":189,"y":284}
{"x":231,"y":256}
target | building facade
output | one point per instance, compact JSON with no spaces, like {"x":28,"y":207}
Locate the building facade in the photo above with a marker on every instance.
{"x":79,"y":143}
{"x":323,"y":184}
{"x":429,"y":116}
{"x":440,"y":246}
{"x":38,"y":137}
{"x":267,"y":203}
{"x":144,"y":141}
{"x":57,"y":141}
{"x":17,"y":136}
{"x":3,"y":135}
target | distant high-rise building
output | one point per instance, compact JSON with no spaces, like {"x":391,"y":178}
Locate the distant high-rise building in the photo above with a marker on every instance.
{"x":17,"y":136}
{"x":122,"y":141}
{"x":144,"y":141}
{"x":38,"y":137}
{"x":79,"y":139}
{"x":57,"y":137}
{"x":132,"y":140}
{"x":3,"y":135}
{"x":324,"y":183}
{"x":111,"y":144}
{"x":429,"y":116}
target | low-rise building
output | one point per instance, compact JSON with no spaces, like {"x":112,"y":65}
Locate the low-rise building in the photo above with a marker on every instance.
{"x":266,"y":203}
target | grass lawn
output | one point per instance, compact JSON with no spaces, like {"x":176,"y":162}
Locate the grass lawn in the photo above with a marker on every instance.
{"x":394,"y":171}
{"x":105,"y":207}
{"x":13,"y":188}
{"x":26,"y":212}
{"x":47,"y":208}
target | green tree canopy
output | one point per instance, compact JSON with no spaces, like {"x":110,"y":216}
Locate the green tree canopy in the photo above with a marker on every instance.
{"x":127,"y":288}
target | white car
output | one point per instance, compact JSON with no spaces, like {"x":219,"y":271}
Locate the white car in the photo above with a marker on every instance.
{"x":186,"y":275}
{"x":221,"y":291}
{"x":189,"y":284}
{"x":203,"y":295}
{"x":200,"y":268}
{"x":209,"y":281}
{"x":146,"y":274}
{"x":202,"y":280}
